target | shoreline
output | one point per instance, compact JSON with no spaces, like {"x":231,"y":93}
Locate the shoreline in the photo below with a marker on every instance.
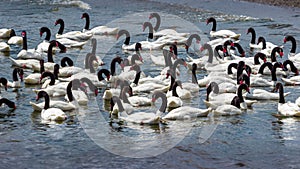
{"x":278,"y":3}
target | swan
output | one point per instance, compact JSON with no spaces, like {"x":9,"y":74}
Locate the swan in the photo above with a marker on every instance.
{"x":53,"y":77}
{"x":286,"y":108}
{"x":143,"y":118}
{"x":86,"y":81}
{"x":128,"y":108}
{"x":98,"y":58}
{"x":138,"y":47}
{"x":221,"y":33}
{"x":4,"y":47}
{"x":166,"y":56}
{"x":50,"y":113}
{"x":261,"y":94}
{"x":28,"y":53}
{"x":189,"y":43}
{"x":34,"y":78}
{"x":67,"y":68}
{"x":74,"y":94}
{"x":145,"y":44}
{"x":163,"y":32}
{"x":260,"y":81}
{"x":186,"y":112}
{"x":135,"y":101}
{"x":14,"y":39}
{"x":161,"y":41}
{"x":73,"y":35}
{"x":98,"y":30}
{"x":44,"y":45}
{"x":16,"y":83}
{"x":4,"y":33}
{"x":252,"y":43}
{"x":192,"y":87}
{"x":292,"y":66}
{"x":174,"y":100}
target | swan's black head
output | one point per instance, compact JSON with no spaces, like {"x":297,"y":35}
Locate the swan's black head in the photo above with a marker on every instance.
{"x":12,"y":33}
{"x":209,"y":20}
{"x":59,"y":21}
{"x":138,"y":46}
{"x":9,"y":103}
{"x":23,"y":34}
{"x":84,"y":15}
{"x":4,"y":81}
{"x":250,"y":30}
{"x":194,"y":67}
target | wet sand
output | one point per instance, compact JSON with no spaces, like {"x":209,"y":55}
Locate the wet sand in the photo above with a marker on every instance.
{"x":287,"y":3}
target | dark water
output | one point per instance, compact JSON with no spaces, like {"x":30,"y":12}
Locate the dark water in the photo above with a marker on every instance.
{"x":255,"y":139}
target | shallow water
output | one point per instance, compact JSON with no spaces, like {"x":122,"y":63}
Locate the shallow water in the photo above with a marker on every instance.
{"x":255,"y":139}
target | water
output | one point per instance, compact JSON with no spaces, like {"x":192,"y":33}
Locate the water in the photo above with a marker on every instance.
{"x":255,"y":139}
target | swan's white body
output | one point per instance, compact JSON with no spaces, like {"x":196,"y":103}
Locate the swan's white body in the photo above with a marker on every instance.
{"x":65,"y":106}
{"x":261,"y":94}
{"x":53,"y":114}
{"x":102,"y":30}
{"x":227,"y":110}
{"x":75,"y":35}
{"x":4,"y":33}
{"x":4,"y":47}
{"x":15,"y":40}
{"x":186,"y":112}
{"x":289,"y":109}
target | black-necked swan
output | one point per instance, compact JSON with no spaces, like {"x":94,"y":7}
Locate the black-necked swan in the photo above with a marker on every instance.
{"x":192,"y":86}
{"x":143,"y":118}
{"x":74,"y":94}
{"x":50,"y":113}
{"x":252,"y":43}
{"x":288,"y":109}
{"x":221,"y":33}
{"x":98,"y":30}
{"x":260,"y":81}
{"x":196,"y":47}
{"x":34,"y":78}
{"x":292,"y":66}
{"x":67,"y":68}
{"x":73,"y":35}
{"x":9,"y":103}
{"x":44,"y":45}
{"x":92,"y":88}
{"x":163,"y":32}
{"x":16,"y":83}
{"x":161,"y":41}
{"x":94,"y":48}
{"x":14,"y":39}
{"x":135,"y":101}
{"x":26,"y":53}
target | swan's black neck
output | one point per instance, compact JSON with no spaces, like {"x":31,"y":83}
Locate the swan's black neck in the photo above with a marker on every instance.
{"x":113,"y":65}
{"x":42,"y":67}
{"x":275,"y":66}
{"x":292,"y":66}
{"x":69,"y":91}
{"x":9,"y":103}
{"x":62,"y":26}
{"x":257,"y":56}
{"x":48,"y":33}
{"x":50,"y":52}
{"x":172,"y":80}
{"x":101,"y":72}
{"x":15,"y":74}
{"x":24,"y":36}
{"x":213,"y":20}
{"x":194,"y":77}
{"x":66,"y":61}
{"x":46,"y":97}
{"x":236,"y":102}
{"x":190,"y":39}
{"x":56,"y":71}
{"x":126,"y":33}
{"x":210,"y":52}
{"x":230,"y":66}
{"x":240,"y":49}
{"x":213,"y":86}
{"x":158,"y":20}
{"x":240,"y":90}
{"x":137,"y":78}
{"x":87,"y":21}
{"x":240,"y":68}
{"x":90,"y":62}
{"x":263,"y":41}
{"x":281,"y":92}
{"x":167,"y":57}
{"x":119,"y":103}
{"x":174,"y":91}
{"x":177,"y":62}
{"x":273,"y":53}
{"x":51,"y":75}
{"x":94,"y":46}
{"x":124,"y":96}
{"x":263,"y":66}
{"x":163,"y":97}
{"x":150,"y":27}
{"x":293,"y":40}
{"x":91,"y":85}
{"x":12,"y":33}
{"x":253,"y":35}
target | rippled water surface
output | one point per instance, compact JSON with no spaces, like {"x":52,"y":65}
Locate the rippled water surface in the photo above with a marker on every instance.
{"x":255,"y":139}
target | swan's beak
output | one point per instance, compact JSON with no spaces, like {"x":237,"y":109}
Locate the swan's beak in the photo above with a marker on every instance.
{"x":153,"y":100}
{"x":284,"y":40}
{"x":281,"y":54}
{"x":37,"y":98}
